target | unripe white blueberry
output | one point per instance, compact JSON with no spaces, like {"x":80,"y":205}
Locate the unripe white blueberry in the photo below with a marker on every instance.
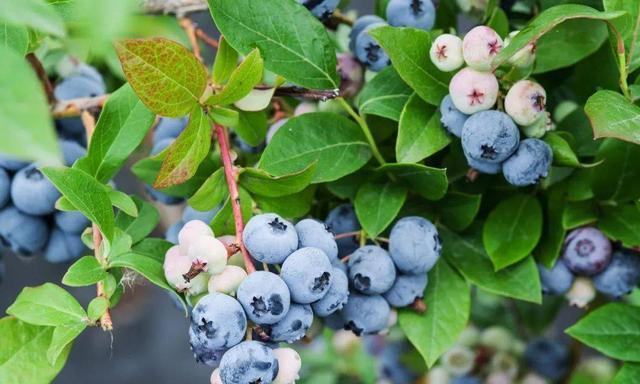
{"x":256,"y":100}
{"x":459,"y":360}
{"x":499,"y":378}
{"x":446,"y":52}
{"x":525,"y":57}
{"x":542,"y":125}
{"x":480,"y":46}
{"x":198,"y":284}
{"x":497,"y":338}
{"x":345,"y":341}
{"x":504,"y":364}
{"x":289,"y":364}
{"x":209,"y":251}
{"x":175,"y":266}
{"x":228,"y":280}
{"x":215,"y":376}
{"x":473,"y":91}
{"x":190,"y":232}
{"x":305,"y":107}
{"x":533,"y":378}
{"x":582,"y":292}
{"x":438,"y":375}
{"x":469,"y":336}
{"x":525,"y":102}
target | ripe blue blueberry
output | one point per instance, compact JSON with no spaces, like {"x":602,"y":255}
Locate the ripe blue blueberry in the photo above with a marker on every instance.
{"x":10,"y":164}
{"x":548,"y":358}
{"x":269,"y":238}
{"x":71,"y":151}
{"x":313,"y":233}
{"x":412,"y":13}
{"x":391,"y":366}
{"x":359,"y":25}
{"x":369,"y":52}
{"x":33,"y":193}
{"x":334,"y":321}
{"x":171,"y":235}
{"x":529,"y":163}
{"x":5,"y":187}
{"x":621,"y":276}
{"x":406,"y":289}
{"x":24,"y":234}
{"x":265,"y":297}
{"x":343,"y":219}
{"x":452,"y":119}
{"x":587,"y":251}
{"x":307,"y":273}
{"x":366,"y":314}
{"x":248,"y":362}
{"x":294,"y":325}
{"x":371,"y":270}
{"x":337,"y":296}
{"x":221,"y":319}
{"x":202,"y":349}
{"x":491,"y":136}
{"x":2,"y":269}
{"x":75,"y":87}
{"x":557,"y":280}
{"x":63,"y":247}
{"x":169,"y":128}
{"x":322,"y":9}
{"x":190,"y":213}
{"x":484,"y":166}
{"x":71,"y":222}
{"x":414,"y":245}
{"x":467,"y":379}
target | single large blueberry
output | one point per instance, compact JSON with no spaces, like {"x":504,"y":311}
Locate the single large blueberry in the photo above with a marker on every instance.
{"x":334,"y":321}
{"x":529,"y":163}
{"x":249,"y":362}
{"x":337,"y":296}
{"x":64,"y":247}
{"x":369,"y":52}
{"x":24,"y":234}
{"x":490,"y":136}
{"x":452,"y":119}
{"x":466,"y":379}
{"x":322,"y":9}
{"x":406,"y":289}
{"x":294,"y":325}
{"x":391,"y":364}
{"x":169,"y":128}
{"x":202,"y":349}
{"x":343,"y":219}
{"x":265,"y":297}
{"x":366,"y":314}
{"x":71,"y":221}
{"x":269,"y":238}
{"x":371,"y":270}
{"x":33,"y":193}
{"x":85,"y":83}
{"x":307,"y":273}
{"x":359,"y":25}
{"x":557,"y":280}
{"x":313,"y":233}
{"x":621,"y":276}
{"x":414,"y":245}
{"x":548,"y":358}
{"x":412,"y":13}
{"x":71,"y":151}
{"x":220,"y":319}
{"x":11,"y":164}
{"x":587,"y":251}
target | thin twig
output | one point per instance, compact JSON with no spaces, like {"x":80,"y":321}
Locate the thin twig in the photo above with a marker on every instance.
{"x":189,"y":28}
{"x":202,"y":35}
{"x":347,"y":234}
{"x":225,"y":155}
{"x":42,"y":75}
{"x":179,"y":8}
{"x":105,"y":320}
{"x":74,"y":107}
{"x":310,"y":94}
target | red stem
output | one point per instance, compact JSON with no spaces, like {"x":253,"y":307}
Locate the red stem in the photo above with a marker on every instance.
{"x":225,"y":155}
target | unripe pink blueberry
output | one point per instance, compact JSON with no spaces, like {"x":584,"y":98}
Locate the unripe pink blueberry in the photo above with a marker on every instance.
{"x":480,"y":46}
{"x":351,"y":74}
{"x":446,"y":52}
{"x":215,"y":376}
{"x":209,"y":251}
{"x":289,"y":364}
{"x":525,"y":102}
{"x":525,"y":57}
{"x":175,"y":266}
{"x":228,"y":280}
{"x":190,"y":232}
{"x":473,"y":91}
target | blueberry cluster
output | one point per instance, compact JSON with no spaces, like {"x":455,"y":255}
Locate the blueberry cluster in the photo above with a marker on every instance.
{"x":589,"y":261}
{"x":491,"y":138}
{"x":322,"y":9}
{"x":400,"y":13}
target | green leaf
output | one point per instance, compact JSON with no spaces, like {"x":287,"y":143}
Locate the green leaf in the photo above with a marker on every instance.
{"x":420,"y":133}
{"x":25,"y":119}
{"x":97,"y":307}
{"x":578,"y":213}
{"x":408,"y":49}
{"x":428,"y":182}
{"x":14,"y":37}
{"x":123,"y":124}
{"x":22,"y":356}
{"x":303,"y":55}
{"x":512,"y":230}
{"x":252,"y":127}
{"x":166,"y":76}
{"x":545,"y":22}
{"x":35,"y":14}
{"x":613,"y":329}
{"x":333,"y":141}
{"x":563,"y":155}
{"x":242,"y":80}
{"x":459,"y":209}
{"x":613,"y":115}
{"x":153,"y":248}
{"x":621,"y":223}
{"x":618,"y":177}
{"x":499,"y":22}
{"x":568,"y":43}
{"x":85,"y":271}
{"x":123,"y":202}
{"x":224,"y":223}
{"x":578,"y":125}
{"x":378,"y":204}
{"x":86,"y":194}
{"x":189,"y":150}
{"x":262,"y":183}
{"x":385,"y":95}
{"x":291,"y":206}
{"x":47,"y":304}
{"x":211,"y":193}
{"x":448,"y":301}
{"x":225,"y":62}
{"x":224,"y":116}
{"x":627,"y":374}
{"x":629,"y":30}
{"x":142,"y":225}
{"x":466,"y":253}
{"x":550,"y":244}
{"x":62,"y":338}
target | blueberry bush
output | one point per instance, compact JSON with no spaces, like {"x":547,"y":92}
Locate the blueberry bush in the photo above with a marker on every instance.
{"x":419,"y":193}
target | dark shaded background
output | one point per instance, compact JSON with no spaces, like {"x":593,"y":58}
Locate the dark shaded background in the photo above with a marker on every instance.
{"x":149,"y":343}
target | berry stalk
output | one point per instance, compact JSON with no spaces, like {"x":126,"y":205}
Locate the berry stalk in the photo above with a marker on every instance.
{"x":225,"y":155}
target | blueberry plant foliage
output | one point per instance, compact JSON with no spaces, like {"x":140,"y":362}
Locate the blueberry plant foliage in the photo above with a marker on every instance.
{"x":383,"y":148}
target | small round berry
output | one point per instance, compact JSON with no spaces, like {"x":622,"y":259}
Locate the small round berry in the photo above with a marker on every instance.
{"x":33,"y":193}
{"x":307,"y":273}
{"x":529,"y":163}
{"x":23,"y":234}
{"x":71,"y":221}
{"x":490,"y":136}
{"x":366,"y":314}
{"x":321,"y":9}
{"x":557,"y":280}
{"x":497,"y":338}
{"x":343,"y":219}
{"x":336,"y":297}
{"x":359,"y":25}
{"x":175,"y":266}
{"x":215,"y":376}
{"x":412,"y":13}
{"x":406,"y":289}
{"x":483,"y":166}
{"x":582,"y":292}
{"x":371,"y":270}
{"x":210,"y":252}
{"x":525,"y":102}
{"x":414,"y":245}
{"x":621,"y":276}
{"x":438,"y":375}
{"x":248,"y":362}
{"x":203,"y":352}
{"x":473,"y":91}
{"x":171,"y":235}
{"x":351,"y":75}
{"x":459,"y":360}
{"x":228,"y":280}
{"x":265,"y":297}
{"x":289,"y":364}
{"x":587,"y":251}
{"x":540,"y":127}
{"x":480,"y":46}
{"x":269,"y":238}
{"x":451,"y":118}
{"x":549,"y":358}
{"x":293,"y":326}
{"x":369,"y":52}
{"x":63,"y":247}
{"x":313,"y":233}
{"x":198,"y":284}
{"x":191,"y":231}
{"x":220,"y":319}
{"x":525,"y":57}
{"x":446,"y":52}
